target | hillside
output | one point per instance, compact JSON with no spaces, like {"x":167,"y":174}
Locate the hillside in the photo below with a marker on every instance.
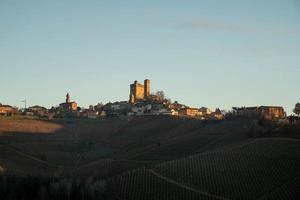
{"x":127,"y":143}
{"x":154,"y":157}
{"x":255,"y":170}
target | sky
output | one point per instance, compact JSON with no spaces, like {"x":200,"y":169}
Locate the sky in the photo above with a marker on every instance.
{"x":217,"y":53}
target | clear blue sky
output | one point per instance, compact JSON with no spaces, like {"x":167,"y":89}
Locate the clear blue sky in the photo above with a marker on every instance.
{"x":216,"y":53}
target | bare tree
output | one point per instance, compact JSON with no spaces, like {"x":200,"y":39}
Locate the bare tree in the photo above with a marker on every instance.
{"x":160,"y":95}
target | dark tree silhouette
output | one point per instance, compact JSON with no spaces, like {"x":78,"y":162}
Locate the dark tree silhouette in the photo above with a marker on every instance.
{"x":297,"y":109}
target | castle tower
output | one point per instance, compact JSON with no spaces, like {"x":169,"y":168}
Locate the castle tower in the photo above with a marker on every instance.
{"x":68,"y":98}
{"x":132,"y":95}
{"x":146,"y":88}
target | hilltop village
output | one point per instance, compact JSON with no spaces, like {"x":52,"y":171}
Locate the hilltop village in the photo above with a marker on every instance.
{"x":141,"y":102}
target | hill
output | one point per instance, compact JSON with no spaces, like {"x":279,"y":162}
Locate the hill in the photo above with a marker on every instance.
{"x":151,"y":157}
{"x":85,"y":145}
{"x":259,"y":169}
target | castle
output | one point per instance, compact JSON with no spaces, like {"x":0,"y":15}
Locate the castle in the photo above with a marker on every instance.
{"x":139,"y":91}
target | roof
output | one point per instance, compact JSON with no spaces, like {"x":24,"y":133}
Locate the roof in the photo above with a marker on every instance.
{"x":255,"y":107}
{"x":6,"y":106}
{"x":270,"y":107}
{"x":203,"y":108}
{"x":244,"y":108}
{"x":36,"y":106}
{"x":218,"y":111}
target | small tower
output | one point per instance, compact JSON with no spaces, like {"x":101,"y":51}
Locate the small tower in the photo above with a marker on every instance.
{"x":132,"y":95}
{"x":146,"y":88}
{"x":68,"y":98}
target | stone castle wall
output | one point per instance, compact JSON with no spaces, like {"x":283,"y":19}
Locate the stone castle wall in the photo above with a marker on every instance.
{"x":139,"y":92}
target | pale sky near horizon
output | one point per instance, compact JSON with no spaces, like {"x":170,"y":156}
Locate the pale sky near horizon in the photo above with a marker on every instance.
{"x":217,"y":53}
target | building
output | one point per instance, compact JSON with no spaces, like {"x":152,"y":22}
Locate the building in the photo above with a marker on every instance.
{"x":38,"y":110}
{"x":7,"y":110}
{"x":205,"y":111}
{"x":272,"y":112}
{"x":191,"y":112}
{"x":89,"y":113}
{"x":68,"y":106}
{"x":139,"y":91}
{"x":117,"y":108}
{"x":218,"y":115}
{"x":92,"y":114}
{"x":267,"y":112}
{"x":176,"y":106}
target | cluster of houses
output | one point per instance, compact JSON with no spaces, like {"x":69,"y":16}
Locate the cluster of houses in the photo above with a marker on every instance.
{"x":141,"y":102}
{"x":267,"y":112}
{"x":159,"y":107}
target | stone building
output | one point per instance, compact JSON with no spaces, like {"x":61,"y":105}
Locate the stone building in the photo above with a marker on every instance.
{"x":139,"y":91}
{"x":68,"y":106}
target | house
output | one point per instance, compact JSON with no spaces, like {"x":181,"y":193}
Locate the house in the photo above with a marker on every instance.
{"x":177,"y":106}
{"x":272,"y":112}
{"x":90,"y":113}
{"x":205,"y":111}
{"x":218,"y":114}
{"x":267,"y":112}
{"x":38,"y":110}
{"x":158,"y":109}
{"x":191,"y":112}
{"x":117,"y":108}
{"x":7,"y":110}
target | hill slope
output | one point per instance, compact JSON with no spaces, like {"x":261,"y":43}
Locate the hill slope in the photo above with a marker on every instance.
{"x":257,"y":169}
{"x":85,"y":145}
{"x":154,"y":157}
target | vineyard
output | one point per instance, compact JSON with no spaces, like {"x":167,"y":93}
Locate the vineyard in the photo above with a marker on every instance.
{"x":142,"y":184}
{"x":150,"y":158}
{"x":258,"y":169}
